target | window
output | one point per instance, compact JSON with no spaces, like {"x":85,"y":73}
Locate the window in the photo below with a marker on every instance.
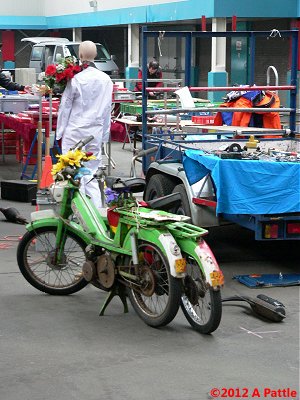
{"x":59,"y":54}
{"x":49,"y":52}
{"x":102,"y":53}
{"x":37,"y":52}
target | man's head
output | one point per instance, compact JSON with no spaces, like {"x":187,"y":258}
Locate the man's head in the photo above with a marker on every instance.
{"x":153,"y":67}
{"x":87,"y":51}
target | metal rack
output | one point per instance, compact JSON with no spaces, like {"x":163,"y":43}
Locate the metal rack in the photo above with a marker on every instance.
{"x":252,"y":35}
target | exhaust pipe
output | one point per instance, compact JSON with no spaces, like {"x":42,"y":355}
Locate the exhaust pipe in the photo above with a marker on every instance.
{"x":262,"y":305}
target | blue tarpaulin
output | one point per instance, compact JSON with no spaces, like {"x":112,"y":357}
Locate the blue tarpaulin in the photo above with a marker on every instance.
{"x":268,"y":280}
{"x":247,"y":186}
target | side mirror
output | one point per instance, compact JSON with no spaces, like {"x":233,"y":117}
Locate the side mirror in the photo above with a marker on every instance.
{"x":113,"y":57}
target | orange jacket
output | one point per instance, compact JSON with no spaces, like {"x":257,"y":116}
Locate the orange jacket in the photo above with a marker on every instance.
{"x":242,"y":118}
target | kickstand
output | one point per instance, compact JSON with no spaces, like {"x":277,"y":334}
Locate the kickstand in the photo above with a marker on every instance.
{"x":117,"y":290}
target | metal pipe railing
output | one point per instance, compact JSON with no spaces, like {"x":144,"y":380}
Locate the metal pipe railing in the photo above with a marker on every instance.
{"x":224,"y":88}
{"x":222,"y":109}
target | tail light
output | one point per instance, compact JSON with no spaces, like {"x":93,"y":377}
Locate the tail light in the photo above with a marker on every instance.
{"x":293,"y":228}
{"x":271,"y":231}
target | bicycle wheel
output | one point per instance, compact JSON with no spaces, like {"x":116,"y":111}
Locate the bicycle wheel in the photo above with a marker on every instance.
{"x":35,"y":256}
{"x":157,"y":299}
{"x":201,"y":305}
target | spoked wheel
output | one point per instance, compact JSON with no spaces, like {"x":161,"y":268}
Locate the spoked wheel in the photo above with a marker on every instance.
{"x":201,"y":305}
{"x":36,"y":260}
{"x":157,"y":299}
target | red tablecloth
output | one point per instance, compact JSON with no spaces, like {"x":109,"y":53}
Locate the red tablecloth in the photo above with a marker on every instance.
{"x":26,"y":130}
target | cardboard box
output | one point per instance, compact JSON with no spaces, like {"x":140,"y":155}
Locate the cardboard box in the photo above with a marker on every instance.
{"x":18,"y":190}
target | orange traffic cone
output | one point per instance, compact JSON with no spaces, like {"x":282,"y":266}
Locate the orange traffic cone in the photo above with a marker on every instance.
{"x":47,"y":178}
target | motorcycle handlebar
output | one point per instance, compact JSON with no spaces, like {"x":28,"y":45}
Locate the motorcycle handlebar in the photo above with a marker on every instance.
{"x":82,"y":143}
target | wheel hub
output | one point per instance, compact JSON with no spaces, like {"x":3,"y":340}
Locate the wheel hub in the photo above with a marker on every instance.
{"x":193,"y":289}
{"x":147,"y":281}
{"x":52,"y":263}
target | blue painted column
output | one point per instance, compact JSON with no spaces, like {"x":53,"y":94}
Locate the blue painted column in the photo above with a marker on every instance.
{"x":294,"y":78}
{"x":218,"y":75}
{"x":240,"y":57}
{"x":195,"y":71}
{"x":9,"y":65}
{"x":131,"y":71}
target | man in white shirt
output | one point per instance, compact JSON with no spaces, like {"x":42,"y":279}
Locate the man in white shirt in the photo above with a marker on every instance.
{"x":85,"y":110}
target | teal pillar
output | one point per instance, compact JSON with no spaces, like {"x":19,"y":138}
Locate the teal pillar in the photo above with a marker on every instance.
{"x":131,"y":73}
{"x":195,"y":76}
{"x":240,"y":57}
{"x":217,"y":79}
{"x":9,"y":65}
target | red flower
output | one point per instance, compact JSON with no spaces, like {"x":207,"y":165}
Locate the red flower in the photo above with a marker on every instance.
{"x":61,"y":75}
{"x":76,"y":69}
{"x":69,"y":74}
{"x":51,"y":70}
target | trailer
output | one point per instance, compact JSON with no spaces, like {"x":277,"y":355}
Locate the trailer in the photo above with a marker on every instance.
{"x":220,"y":176}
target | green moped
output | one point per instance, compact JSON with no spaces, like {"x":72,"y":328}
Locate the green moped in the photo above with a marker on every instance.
{"x":131,"y":249}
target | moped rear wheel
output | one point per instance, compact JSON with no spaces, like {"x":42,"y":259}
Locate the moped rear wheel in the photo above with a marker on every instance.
{"x":36,"y":260}
{"x":158,"y":298}
{"x":201,"y":305}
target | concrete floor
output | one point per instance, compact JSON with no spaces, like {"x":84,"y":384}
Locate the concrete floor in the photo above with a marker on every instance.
{"x":59,"y":348}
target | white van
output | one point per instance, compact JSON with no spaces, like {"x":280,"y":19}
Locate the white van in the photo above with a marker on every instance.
{"x":50,"y":50}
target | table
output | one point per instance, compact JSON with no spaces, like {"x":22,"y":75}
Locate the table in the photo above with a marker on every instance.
{"x":247,"y":186}
{"x":128,"y":123}
{"x":25,"y":130}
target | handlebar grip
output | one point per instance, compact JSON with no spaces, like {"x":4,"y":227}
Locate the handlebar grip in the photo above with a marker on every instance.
{"x":143,"y":153}
{"x":82,"y":143}
{"x":87,"y":140}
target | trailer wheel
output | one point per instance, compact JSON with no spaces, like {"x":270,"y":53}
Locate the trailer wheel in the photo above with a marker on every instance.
{"x":158,"y":186}
{"x":184,"y":207}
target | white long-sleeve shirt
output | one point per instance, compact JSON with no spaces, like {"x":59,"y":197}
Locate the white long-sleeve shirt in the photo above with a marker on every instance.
{"x":85,"y":107}
{"x":85,"y":110}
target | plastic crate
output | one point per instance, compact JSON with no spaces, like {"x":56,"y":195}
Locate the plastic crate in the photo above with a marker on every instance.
{"x":133,"y":109}
{"x":203,"y":119}
{"x":13,"y":104}
{"x":190,"y":115}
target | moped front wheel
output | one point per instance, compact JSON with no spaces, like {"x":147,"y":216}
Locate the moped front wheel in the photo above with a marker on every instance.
{"x":201,"y":305}
{"x":156,"y":298}
{"x":36,"y":255}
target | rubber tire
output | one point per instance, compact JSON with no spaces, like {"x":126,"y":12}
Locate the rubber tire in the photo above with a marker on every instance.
{"x":216,"y":309}
{"x":184,"y":208}
{"x":158,"y":186}
{"x":215,"y":316}
{"x":21,"y":257}
{"x":175,"y":292}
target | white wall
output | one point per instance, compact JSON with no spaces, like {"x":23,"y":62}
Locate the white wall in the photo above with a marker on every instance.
{"x":59,"y":7}
{"x":23,"y":7}
{"x":63,"y":7}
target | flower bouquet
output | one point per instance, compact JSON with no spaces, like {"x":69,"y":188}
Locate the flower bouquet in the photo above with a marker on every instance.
{"x":73,"y":158}
{"x":58,"y":75}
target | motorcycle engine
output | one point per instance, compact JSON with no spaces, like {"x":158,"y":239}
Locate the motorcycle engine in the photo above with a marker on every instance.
{"x":100,"y":274}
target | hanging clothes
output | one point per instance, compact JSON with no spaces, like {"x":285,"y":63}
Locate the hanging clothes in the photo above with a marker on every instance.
{"x":251,"y":99}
